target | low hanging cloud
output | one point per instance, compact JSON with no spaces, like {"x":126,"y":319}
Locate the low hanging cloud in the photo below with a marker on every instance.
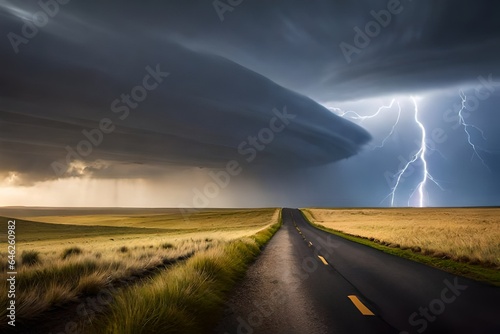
{"x":66,"y":116}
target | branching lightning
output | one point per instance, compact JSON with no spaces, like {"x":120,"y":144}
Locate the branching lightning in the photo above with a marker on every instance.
{"x":355,"y":116}
{"x":468,"y":126}
{"x":393,"y":127}
{"x":420,"y":155}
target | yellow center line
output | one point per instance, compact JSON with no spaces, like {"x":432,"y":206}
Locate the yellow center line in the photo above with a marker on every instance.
{"x":310,"y":244}
{"x":361,"y":307}
{"x":323,"y":260}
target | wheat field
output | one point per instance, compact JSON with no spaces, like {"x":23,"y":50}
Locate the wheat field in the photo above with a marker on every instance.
{"x":463,"y":234}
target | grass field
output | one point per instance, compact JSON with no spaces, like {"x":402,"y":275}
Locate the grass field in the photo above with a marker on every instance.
{"x":468,"y":237}
{"x":64,"y":258}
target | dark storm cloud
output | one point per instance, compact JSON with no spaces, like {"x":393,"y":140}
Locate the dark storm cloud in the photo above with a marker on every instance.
{"x":199,"y":111}
{"x":225,"y":79}
{"x":427,"y":44}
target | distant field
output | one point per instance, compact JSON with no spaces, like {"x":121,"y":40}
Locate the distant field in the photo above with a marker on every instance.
{"x":51,"y":231}
{"x":65,"y":256}
{"x":469,"y":235}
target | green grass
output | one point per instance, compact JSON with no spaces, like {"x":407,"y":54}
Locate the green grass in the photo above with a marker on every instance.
{"x":475,"y":272}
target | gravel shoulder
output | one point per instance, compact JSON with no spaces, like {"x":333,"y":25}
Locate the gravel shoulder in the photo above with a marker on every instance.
{"x":271,"y":298}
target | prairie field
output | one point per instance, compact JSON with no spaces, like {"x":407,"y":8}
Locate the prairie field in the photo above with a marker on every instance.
{"x":468,"y":235}
{"x":158,"y":261}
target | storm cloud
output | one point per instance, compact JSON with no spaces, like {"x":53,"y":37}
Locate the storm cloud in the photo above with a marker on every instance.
{"x":166,"y":104}
{"x":147,"y":89}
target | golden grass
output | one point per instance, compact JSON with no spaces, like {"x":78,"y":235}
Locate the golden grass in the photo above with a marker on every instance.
{"x":60,"y":278}
{"x":173,"y":220}
{"x":462,"y":234}
{"x":187,"y":298}
{"x":65,"y":262}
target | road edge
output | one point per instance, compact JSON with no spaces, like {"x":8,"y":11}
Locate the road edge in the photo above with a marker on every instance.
{"x":476,"y":273}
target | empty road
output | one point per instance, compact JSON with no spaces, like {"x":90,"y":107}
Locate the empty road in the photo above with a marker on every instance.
{"x":309,"y":281}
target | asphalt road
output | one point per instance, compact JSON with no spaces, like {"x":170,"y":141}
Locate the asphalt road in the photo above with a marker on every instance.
{"x":309,"y":281}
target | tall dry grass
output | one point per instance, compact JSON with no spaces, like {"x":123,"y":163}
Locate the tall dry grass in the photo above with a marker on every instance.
{"x":61,"y":277}
{"x":186,"y":299}
{"x":463,"y":234}
{"x":61,"y":263}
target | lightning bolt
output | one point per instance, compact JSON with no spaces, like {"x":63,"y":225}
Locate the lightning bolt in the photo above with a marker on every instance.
{"x":470,"y":126}
{"x":355,"y":116}
{"x":422,"y":151}
{"x":420,"y":155}
{"x":393,"y":127}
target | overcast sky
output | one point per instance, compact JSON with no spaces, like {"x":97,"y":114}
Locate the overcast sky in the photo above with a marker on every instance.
{"x":249,"y":103}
